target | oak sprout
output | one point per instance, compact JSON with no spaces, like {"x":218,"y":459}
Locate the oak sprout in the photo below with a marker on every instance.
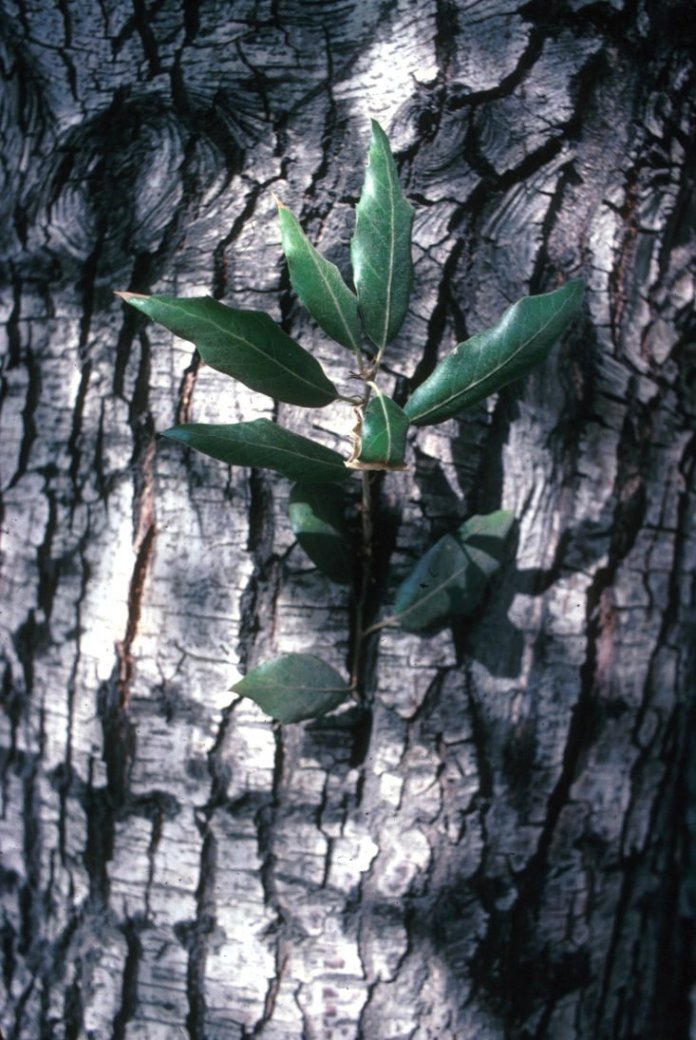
{"x":450,"y":579}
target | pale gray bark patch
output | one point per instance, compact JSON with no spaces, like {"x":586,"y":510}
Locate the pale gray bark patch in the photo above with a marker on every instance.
{"x":497,"y":845}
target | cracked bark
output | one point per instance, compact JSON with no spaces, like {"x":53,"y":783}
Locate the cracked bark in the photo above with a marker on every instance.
{"x":498,"y":846}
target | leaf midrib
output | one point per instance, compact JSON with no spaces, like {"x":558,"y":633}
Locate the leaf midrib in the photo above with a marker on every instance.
{"x":318,"y":262}
{"x":433,"y":592}
{"x":387,"y":425}
{"x":206,"y":319}
{"x":502,"y":365}
{"x":392,"y":241}
{"x":276,"y":448}
{"x":272,"y":687}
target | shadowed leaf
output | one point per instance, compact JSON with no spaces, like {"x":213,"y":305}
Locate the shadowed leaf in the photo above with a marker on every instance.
{"x":451,"y":578}
{"x":317,"y":518}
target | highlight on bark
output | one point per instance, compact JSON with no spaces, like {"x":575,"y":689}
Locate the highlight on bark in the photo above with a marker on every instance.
{"x":450,"y":579}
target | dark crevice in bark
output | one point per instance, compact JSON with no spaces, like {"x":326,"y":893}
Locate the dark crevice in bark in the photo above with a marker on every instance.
{"x":30,"y":641}
{"x":487,"y":487}
{"x":221,"y":260}
{"x":13,"y":357}
{"x":362,"y":736}
{"x":446,"y":34}
{"x":73,"y":1014}
{"x":66,"y":57}
{"x":47,"y":567}
{"x":186,"y":389}
{"x":191,"y":11}
{"x":119,"y":736}
{"x":99,"y":839}
{"x":544,"y":266}
{"x":265,"y":819}
{"x":17,"y":1028}
{"x":437,"y":323}
{"x":128,"y":1002}
{"x":140,"y":23}
{"x":469,"y":98}
{"x":329,"y":128}
{"x":272,"y":991}
{"x":483,"y":762}
{"x":264,"y":578}
{"x":667,"y":1000}
{"x":586,"y":84}
{"x":66,"y":781}
{"x":135,"y":596}
{"x":219,"y":766}
{"x":30,"y":432}
{"x":196,"y":935}
{"x":74,"y":449}
{"x":681,"y":222}
{"x":30,"y":899}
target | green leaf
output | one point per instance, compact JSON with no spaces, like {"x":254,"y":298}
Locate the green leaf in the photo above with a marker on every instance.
{"x":247,"y":345}
{"x":383,"y":436}
{"x":317,"y":518}
{"x":319,"y":284}
{"x":381,"y":246}
{"x":451,"y":578}
{"x":263,"y":443}
{"x":294,"y":687}
{"x":484,"y":537}
{"x":489,"y":360}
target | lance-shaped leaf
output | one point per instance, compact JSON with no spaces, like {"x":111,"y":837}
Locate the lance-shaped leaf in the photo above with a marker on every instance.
{"x":451,"y":578}
{"x":383,"y":436}
{"x":489,"y":360}
{"x":381,"y":246}
{"x":294,"y":687}
{"x":317,"y":518}
{"x":247,"y":345}
{"x":265,"y":444}
{"x":319,"y":284}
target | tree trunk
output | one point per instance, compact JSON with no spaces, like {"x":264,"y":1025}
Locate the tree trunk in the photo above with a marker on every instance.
{"x":497,"y":845}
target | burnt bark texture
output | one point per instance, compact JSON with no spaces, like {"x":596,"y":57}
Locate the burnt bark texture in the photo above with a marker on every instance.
{"x":498,"y":844}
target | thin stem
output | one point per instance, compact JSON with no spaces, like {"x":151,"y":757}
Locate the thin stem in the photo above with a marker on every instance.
{"x":386,"y":622}
{"x":367,"y":533}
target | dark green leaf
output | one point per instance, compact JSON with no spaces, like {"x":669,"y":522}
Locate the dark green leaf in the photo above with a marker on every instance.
{"x":381,"y":246}
{"x":489,"y":360}
{"x":247,"y":345}
{"x":263,"y":443}
{"x":383,"y":436}
{"x":317,"y":518}
{"x":294,"y":687}
{"x":451,"y":578}
{"x":319,"y":284}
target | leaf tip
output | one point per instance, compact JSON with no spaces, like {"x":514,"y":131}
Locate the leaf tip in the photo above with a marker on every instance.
{"x":174,"y":433}
{"x":133,"y":298}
